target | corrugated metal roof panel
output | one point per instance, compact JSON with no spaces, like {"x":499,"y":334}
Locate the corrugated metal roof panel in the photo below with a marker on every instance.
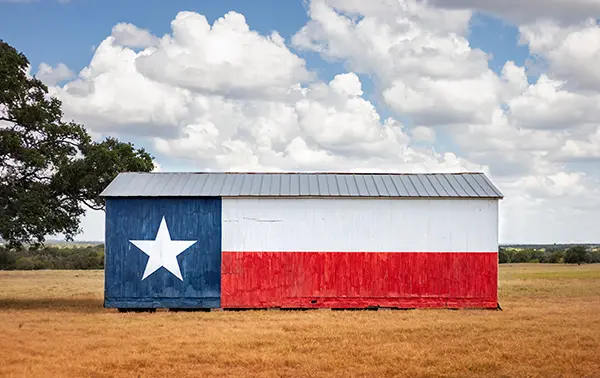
{"x":389,"y":185}
{"x":427,"y":185}
{"x":156,"y":186}
{"x":399,"y":186}
{"x":198,"y":185}
{"x":265,"y":185}
{"x":462,"y":192}
{"x":351,"y":183}
{"x":294,"y":185}
{"x":189,"y":183}
{"x":303,"y":185}
{"x":485,"y":183}
{"x":444,"y":185}
{"x":467,"y":187}
{"x":380,"y":186}
{"x":342,"y":184}
{"x":332,"y":185}
{"x":372,"y":189}
{"x":361,"y":185}
{"x":322,"y":184}
{"x":275,"y":188}
{"x":285,"y":184}
{"x":438,"y":186}
{"x":412,"y":186}
{"x":236,"y":185}
{"x":123,"y":182}
{"x":217,"y":188}
{"x":313,"y":186}
{"x":256,"y":181}
{"x":228,"y":183}
{"x":174,"y":183}
{"x":207,"y":185}
{"x":455,"y":185}
{"x":481,"y":190}
{"x":246,"y":184}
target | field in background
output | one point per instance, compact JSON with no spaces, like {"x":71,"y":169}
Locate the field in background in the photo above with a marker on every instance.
{"x":52,"y":324}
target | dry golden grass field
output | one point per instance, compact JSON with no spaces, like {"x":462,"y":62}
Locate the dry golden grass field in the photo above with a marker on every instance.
{"x":53,"y":325}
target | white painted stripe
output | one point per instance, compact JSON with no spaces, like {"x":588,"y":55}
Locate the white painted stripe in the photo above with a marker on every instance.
{"x":369,"y":225}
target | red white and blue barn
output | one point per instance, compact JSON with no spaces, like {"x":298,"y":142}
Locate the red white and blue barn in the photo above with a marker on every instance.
{"x":301,"y":240}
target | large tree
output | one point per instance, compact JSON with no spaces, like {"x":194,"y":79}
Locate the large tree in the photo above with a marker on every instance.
{"x":50,"y":169}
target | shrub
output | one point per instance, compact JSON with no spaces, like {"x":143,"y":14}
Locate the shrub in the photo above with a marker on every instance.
{"x":30,"y":263}
{"x":8,"y":259}
{"x":594,"y":256}
{"x":52,"y":258}
{"x":522,"y":256}
{"x":536,"y":255}
{"x":556,"y":257}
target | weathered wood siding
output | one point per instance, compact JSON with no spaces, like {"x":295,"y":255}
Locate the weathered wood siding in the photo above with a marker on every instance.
{"x":139,"y":219}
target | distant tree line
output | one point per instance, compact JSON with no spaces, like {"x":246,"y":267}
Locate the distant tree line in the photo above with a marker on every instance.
{"x":51,"y":257}
{"x":578,"y":254}
{"x":92,"y":257}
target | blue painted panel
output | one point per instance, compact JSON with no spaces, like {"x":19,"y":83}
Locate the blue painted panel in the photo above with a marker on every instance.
{"x":194,"y":219}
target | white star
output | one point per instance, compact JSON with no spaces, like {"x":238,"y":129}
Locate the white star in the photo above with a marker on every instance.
{"x":163,"y":251}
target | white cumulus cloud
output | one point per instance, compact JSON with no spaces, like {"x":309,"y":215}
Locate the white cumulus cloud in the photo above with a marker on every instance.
{"x":52,"y":75}
{"x":126,"y":34}
{"x":519,"y":11}
{"x":226,"y":58}
{"x":572,"y":53}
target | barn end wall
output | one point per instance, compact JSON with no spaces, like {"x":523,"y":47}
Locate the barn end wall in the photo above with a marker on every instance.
{"x":350,"y":253}
{"x":130,"y":220}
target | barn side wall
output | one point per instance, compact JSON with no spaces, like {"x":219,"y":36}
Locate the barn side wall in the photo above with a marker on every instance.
{"x":359,"y":252}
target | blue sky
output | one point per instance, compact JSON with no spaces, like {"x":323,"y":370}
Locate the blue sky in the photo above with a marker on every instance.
{"x":498,"y":38}
{"x":42,"y":29}
{"x":53,"y":32}
{"x":429,"y":101}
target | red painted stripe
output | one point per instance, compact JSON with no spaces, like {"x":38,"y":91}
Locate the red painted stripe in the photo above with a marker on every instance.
{"x":359,"y":279}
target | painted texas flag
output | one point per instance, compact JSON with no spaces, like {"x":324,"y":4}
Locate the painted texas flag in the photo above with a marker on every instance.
{"x":300,"y":252}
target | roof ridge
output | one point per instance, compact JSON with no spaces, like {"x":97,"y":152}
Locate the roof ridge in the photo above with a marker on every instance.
{"x":304,"y":172}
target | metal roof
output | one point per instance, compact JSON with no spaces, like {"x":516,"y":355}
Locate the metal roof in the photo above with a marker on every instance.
{"x":301,"y":184}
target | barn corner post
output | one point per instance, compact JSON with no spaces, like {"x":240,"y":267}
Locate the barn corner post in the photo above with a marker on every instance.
{"x":107,"y":253}
{"x":301,"y":240}
{"x":497,"y":201}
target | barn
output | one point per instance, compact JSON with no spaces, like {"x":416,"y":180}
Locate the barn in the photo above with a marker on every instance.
{"x":301,"y":240}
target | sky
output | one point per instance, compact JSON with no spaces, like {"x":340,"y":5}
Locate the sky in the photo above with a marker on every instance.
{"x":511,"y":89}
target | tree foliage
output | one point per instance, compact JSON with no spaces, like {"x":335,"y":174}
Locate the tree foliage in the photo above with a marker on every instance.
{"x":576,"y":255}
{"x":49,"y":169}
